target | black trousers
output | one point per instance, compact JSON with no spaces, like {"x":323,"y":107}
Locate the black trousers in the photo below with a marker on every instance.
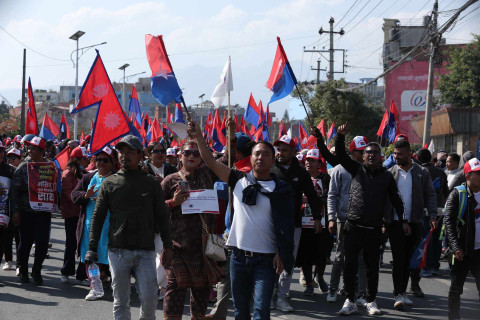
{"x":10,"y":233}
{"x":68,"y":268}
{"x":458,"y":273}
{"x":34,"y":227}
{"x":402,"y":250}
{"x":370,"y":241}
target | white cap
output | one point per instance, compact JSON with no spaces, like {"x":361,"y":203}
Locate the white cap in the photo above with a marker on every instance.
{"x":15,"y":152}
{"x":300,"y":157}
{"x":313,"y":154}
{"x":171,"y":152}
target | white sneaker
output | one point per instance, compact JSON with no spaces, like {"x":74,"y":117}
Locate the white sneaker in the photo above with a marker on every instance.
{"x":8,"y":265}
{"x":64,"y":279}
{"x":361,"y":301}
{"x":17,"y":273}
{"x":283,"y":305}
{"x":161,"y":293}
{"x":332,"y":296}
{"x":372,"y":308}
{"x":301,"y":280}
{"x":406,"y":300}
{"x":349,"y":307}
{"x":399,"y":302}
{"x":93,"y":295}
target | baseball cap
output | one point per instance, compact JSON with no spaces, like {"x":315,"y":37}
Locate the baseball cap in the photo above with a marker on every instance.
{"x":37,"y":141}
{"x":171,"y":152}
{"x":401,"y":137}
{"x":17,"y":138}
{"x":79,"y":152}
{"x":313,"y":154}
{"x":242,"y":140}
{"x":130,"y":141}
{"x":358,"y":143}
{"x":471,"y":165}
{"x":300,"y":156}
{"x":14,"y":151}
{"x":285,"y":139}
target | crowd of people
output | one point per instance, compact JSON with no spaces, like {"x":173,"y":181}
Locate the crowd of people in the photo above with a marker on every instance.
{"x":125,"y":209}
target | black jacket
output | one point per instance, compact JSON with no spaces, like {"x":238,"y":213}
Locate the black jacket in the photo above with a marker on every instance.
{"x":461,"y":235}
{"x":301,"y":183}
{"x":369,"y":191}
{"x":442,"y":192}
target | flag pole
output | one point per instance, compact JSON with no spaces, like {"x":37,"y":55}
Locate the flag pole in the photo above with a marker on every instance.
{"x":189,"y":118}
{"x":301,"y":99}
{"x":229,"y":150}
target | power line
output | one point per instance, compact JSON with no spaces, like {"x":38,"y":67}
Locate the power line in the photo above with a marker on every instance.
{"x":33,"y":50}
{"x":437,"y":34}
{"x":351,"y":7}
{"x":366,"y":15}
{"x":356,"y":14}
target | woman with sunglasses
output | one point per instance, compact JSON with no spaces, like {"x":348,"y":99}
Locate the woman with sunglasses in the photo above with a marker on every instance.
{"x":70,"y":211}
{"x":157,"y":165}
{"x":84,"y":194}
{"x":190,"y":269}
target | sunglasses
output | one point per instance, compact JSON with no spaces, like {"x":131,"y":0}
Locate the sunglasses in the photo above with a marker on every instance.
{"x":104,"y":160}
{"x":156,"y":151}
{"x":188,"y":153}
{"x":374,"y":152}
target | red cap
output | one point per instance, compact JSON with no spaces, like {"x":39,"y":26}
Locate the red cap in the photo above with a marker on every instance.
{"x":17,"y":138}
{"x":79,"y":152}
{"x":88,"y":137}
{"x":401,"y":137}
{"x":37,"y":141}
{"x":358,"y":143}
{"x":285,"y":139}
{"x":471,"y":165}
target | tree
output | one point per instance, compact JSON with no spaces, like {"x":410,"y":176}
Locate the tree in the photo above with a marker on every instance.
{"x":461,"y":86}
{"x":326,"y":102}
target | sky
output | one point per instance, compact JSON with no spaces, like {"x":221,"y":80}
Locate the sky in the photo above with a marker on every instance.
{"x":199,"y":36}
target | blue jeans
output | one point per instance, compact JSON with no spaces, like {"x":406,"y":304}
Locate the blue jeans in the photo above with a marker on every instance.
{"x":250,"y":274}
{"x":141,"y":263}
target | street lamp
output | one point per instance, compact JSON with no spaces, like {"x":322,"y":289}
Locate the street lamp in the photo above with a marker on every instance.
{"x":75,"y":37}
{"x":124,"y":98}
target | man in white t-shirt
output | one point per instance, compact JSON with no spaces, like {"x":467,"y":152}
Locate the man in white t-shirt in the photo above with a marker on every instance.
{"x":261,"y":234}
{"x":462,"y":224}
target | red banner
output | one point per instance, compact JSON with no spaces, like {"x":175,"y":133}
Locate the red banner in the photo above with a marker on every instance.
{"x":42,"y":186}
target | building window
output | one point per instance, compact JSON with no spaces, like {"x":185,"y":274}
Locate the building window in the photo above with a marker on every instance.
{"x":73,"y":95}
{"x":48,"y":97}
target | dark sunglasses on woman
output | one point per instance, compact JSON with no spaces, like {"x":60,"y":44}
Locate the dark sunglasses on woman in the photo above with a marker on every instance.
{"x":188,"y":153}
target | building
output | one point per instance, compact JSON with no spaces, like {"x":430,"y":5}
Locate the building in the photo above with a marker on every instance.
{"x":406,"y":85}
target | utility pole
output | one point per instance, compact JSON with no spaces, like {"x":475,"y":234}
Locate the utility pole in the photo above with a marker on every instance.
{"x":318,"y":71}
{"x":331,"y":50}
{"x":22,"y":114}
{"x":431,"y":68}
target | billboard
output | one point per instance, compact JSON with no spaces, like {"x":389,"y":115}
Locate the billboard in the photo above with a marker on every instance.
{"x":407,"y":87}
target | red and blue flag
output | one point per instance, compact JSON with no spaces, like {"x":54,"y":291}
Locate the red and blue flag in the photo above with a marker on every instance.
{"x":64,"y":129}
{"x":332,"y":132}
{"x":165,"y":87}
{"x":419,"y":257}
{"x":134,"y":106}
{"x":219,"y":140}
{"x":32,"y":122}
{"x":49,"y":130}
{"x":252,"y":113}
{"x":179,"y":113}
{"x":111,"y":122}
{"x":282,"y":80}
{"x":282,"y":130}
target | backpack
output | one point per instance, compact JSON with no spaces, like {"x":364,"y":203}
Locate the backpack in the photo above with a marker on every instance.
{"x":462,"y":207}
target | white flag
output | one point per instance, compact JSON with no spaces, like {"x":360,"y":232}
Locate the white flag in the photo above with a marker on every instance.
{"x":431,"y":147}
{"x":289,"y":133}
{"x":225,"y":84}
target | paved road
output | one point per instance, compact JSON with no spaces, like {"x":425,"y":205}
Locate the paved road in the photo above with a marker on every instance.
{"x":57,"y":301}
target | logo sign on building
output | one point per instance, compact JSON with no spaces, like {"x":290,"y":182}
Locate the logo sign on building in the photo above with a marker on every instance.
{"x":415,"y":100}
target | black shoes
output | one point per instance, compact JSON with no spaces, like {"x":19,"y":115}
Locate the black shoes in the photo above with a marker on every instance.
{"x":417,"y":292}
{"x":37,"y":278}
{"x":24,"y":278}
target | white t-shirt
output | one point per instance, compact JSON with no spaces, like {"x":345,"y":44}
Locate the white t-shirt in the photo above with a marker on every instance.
{"x":160,"y":171}
{"x":252,"y":226}
{"x":477,"y":221}
{"x":404,"y":184}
